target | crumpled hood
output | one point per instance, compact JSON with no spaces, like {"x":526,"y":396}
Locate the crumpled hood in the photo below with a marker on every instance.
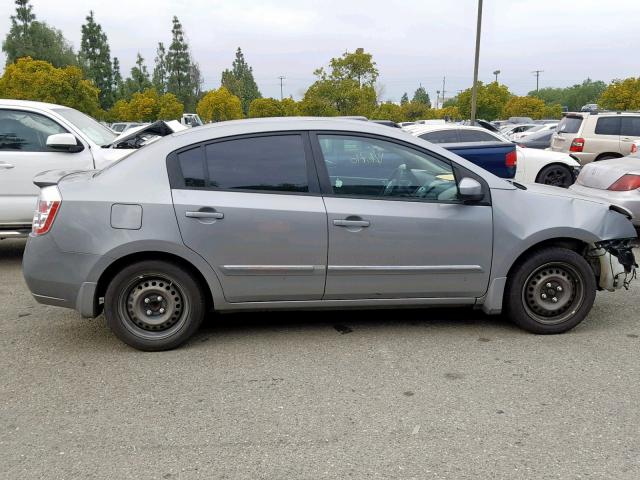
{"x":160,"y":128}
{"x":541,"y":189}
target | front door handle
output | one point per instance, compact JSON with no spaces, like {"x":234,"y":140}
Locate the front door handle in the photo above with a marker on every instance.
{"x":351,"y":223}
{"x":214,"y":215}
{"x":6,"y":166}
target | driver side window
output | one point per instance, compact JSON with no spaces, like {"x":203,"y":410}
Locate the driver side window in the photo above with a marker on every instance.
{"x":363,"y":166}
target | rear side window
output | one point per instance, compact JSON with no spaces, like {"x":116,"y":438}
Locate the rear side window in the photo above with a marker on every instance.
{"x":631,"y":126}
{"x":267,"y":163}
{"x":569,"y":125}
{"x":441,"y":136}
{"x":608,"y":126}
{"x":469,"y":136}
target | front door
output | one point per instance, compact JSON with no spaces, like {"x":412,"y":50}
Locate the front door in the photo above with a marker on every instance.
{"x":24,"y":154}
{"x":251,"y":207}
{"x":396,"y":225}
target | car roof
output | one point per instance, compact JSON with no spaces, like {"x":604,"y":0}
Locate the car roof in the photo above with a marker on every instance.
{"x":7,"y":102}
{"x":420,"y":129}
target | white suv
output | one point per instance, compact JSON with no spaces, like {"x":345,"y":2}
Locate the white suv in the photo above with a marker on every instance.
{"x":597,"y":135}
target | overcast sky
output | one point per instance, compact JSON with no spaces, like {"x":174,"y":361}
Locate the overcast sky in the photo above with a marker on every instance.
{"x":412,"y":41}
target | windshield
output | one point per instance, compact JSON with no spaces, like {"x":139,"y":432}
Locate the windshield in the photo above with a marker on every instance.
{"x":97,"y":133}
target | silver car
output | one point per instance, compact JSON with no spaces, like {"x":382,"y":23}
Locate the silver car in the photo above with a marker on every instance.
{"x":313,"y":213}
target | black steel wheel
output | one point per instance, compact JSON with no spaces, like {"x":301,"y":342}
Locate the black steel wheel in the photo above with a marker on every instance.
{"x":556,"y":175}
{"x":550,"y":291}
{"x":154,"y":305}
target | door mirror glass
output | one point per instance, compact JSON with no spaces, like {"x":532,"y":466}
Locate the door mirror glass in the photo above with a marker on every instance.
{"x":470,"y":190}
{"x":65,"y":142}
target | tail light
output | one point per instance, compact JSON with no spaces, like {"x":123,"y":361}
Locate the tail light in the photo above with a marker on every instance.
{"x":626,"y":183}
{"x":46,"y":210}
{"x":577,"y":145}
{"x":634,"y":148}
{"x":511,"y":159}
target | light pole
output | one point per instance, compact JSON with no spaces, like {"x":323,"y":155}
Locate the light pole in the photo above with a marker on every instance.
{"x":281,"y":79}
{"x":496,"y":73}
{"x":474,"y":91}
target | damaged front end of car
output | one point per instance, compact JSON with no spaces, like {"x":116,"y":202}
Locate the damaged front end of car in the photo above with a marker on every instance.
{"x":614,"y":263}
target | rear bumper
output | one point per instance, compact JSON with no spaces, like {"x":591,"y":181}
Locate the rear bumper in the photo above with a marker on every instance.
{"x":59,"y":278}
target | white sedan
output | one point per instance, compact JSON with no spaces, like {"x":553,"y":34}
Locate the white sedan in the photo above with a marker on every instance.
{"x":534,"y":165}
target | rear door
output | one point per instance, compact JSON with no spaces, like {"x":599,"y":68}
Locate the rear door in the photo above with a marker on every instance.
{"x":607,"y":136}
{"x":23,"y":154}
{"x":629,"y":133}
{"x":396,"y":226}
{"x":251,"y":207}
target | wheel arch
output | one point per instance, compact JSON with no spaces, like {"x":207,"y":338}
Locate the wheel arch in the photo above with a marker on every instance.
{"x":607,"y":154}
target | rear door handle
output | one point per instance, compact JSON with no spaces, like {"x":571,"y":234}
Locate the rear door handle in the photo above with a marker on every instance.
{"x":351,"y":223}
{"x":216,"y":215}
{"x":6,"y":166}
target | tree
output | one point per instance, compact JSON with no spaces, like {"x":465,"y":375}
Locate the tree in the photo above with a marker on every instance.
{"x":421,"y":96}
{"x":160,"y":69}
{"x":180,"y":71}
{"x":389,"y":111}
{"x":29,"y":79}
{"x":139,"y":79}
{"x":348,"y":89}
{"x":118,"y":84}
{"x":415,"y":111}
{"x":491,"y":100}
{"x":28,"y":37}
{"x":147,"y":106}
{"x":404,"y":99}
{"x":572,"y":97}
{"x":270,"y":107}
{"x":240,"y":82}
{"x":95,"y":59}
{"x":524,"y":107}
{"x":219,"y":105}
{"x":169,"y":107}
{"x":622,"y":95}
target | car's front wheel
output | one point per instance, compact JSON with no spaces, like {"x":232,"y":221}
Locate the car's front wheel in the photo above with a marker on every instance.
{"x":550,"y":291}
{"x":154,"y":305}
{"x":556,"y":175}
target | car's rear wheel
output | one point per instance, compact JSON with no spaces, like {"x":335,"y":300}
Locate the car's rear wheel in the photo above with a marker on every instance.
{"x":551,"y":291}
{"x":154,"y":305}
{"x":556,"y":175}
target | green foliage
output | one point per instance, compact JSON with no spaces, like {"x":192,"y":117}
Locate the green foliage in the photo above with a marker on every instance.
{"x":572,"y":97}
{"x":404,"y":99}
{"x":621,"y":95}
{"x":95,"y":59}
{"x":181,"y":74}
{"x":29,"y":79}
{"x":146,"y":106}
{"x":491,"y":100}
{"x":524,"y":107}
{"x":270,"y":107}
{"x":28,"y":37}
{"x":219,"y":105}
{"x":118,"y":83}
{"x":240,"y":82}
{"x":349,"y":88}
{"x":160,"y":69}
{"x":139,"y":79}
{"x":421,"y":96}
{"x":389,"y":111}
{"x":415,"y":111}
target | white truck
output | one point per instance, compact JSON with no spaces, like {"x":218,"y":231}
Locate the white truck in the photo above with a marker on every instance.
{"x":35,"y":137}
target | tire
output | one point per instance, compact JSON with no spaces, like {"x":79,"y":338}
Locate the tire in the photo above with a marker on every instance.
{"x":606,"y":157}
{"x":528,"y":301}
{"x":154,"y":305}
{"x":556,"y":175}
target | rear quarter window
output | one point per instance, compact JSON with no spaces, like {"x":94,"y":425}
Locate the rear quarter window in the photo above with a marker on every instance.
{"x":631,"y":126}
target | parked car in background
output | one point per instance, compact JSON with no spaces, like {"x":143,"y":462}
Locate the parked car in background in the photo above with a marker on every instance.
{"x":406,"y":124}
{"x":36,"y":136}
{"x":191,"y":120}
{"x":589,"y":107}
{"x":533,"y":166}
{"x":509,"y":130}
{"x":388,"y":123}
{"x":298,"y":213}
{"x":516,"y":137}
{"x":520,"y":120}
{"x":540,"y":140}
{"x":597,"y":136}
{"x":616,"y":181}
{"x":121,"y":127}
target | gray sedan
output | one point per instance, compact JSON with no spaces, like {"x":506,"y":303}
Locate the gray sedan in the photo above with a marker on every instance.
{"x":313,"y":213}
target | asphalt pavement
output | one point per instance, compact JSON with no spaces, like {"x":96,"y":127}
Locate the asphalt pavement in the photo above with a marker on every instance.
{"x":407,"y":394}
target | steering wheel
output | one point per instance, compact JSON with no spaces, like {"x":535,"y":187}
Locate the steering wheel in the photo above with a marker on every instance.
{"x":402,"y":178}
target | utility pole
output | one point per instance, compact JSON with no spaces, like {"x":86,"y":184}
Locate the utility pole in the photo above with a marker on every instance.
{"x":496,"y":73}
{"x":281,"y":79}
{"x":437,"y":98}
{"x":443,"y":83}
{"x":537,"y":74}
{"x":474,"y":91}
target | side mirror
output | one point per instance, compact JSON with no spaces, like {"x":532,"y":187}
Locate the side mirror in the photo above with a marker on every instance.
{"x":64,"y":142}
{"x":470,"y":190}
